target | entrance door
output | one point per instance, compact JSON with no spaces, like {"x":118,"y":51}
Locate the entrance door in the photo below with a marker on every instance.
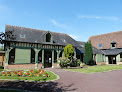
{"x":48,"y":59}
{"x":112,"y":59}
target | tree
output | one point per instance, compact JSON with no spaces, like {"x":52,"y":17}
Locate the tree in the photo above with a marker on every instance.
{"x":68,"y":51}
{"x":88,"y":58}
{"x":8,"y":35}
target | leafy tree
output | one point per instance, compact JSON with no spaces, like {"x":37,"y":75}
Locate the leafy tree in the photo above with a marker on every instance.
{"x":68,"y":51}
{"x":8,"y":35}
{"x":88,"y":58}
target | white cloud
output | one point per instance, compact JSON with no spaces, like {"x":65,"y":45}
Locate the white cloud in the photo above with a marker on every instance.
{"x":98,"y":17}
{"x":59,"y":24}
{"x":74,"y":36}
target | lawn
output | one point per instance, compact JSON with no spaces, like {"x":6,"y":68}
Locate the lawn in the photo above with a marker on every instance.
{"x":40,"y":78}
{"x":1,"y":69}
{"x":94,"y":69}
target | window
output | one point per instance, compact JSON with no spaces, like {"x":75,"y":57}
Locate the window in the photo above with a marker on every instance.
{"x":100,"y":45}
{"x":113,"y":45}
{"x":22,"y":35}
{"x":48,"y":37}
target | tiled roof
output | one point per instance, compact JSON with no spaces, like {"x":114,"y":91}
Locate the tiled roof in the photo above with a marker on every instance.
{"x":112,"y":51}
{"x":37,"y":36}
{"x":95,"y":50}
{"x":107,"y":39}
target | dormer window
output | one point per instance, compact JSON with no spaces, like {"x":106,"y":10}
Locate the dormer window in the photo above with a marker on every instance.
{"x":113,"y":44}
{"x":48,"y":37}
{"x":22,"y":35}
{"x":100,"y":45}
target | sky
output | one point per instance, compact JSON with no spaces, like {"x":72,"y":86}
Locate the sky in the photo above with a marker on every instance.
{"x":78,"y":18}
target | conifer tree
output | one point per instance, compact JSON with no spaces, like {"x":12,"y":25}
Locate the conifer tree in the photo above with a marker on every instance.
{"x":88,"y":55}
{"x":68,"y":51}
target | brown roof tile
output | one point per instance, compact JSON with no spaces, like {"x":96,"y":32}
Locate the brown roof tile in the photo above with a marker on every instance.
{"x":106,"y":39}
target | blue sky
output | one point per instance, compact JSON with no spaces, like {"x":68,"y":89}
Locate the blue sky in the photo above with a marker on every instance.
{"x":78,"y":18}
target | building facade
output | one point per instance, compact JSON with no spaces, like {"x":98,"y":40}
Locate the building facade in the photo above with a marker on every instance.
{"x":25,"y":47}
{"x":111,"y":46}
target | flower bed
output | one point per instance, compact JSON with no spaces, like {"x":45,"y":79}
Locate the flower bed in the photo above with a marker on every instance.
{"x":26,"y":73}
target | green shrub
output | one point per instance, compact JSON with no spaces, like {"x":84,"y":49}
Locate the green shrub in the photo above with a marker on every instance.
{"x":68,"y":51}
{"x":91,"y":62}
{"x":74,"y":62}
{"x":78,"y":62}
{"x":1,"y":67}
{"x":64,"y":61}
{"x":84,"y":64}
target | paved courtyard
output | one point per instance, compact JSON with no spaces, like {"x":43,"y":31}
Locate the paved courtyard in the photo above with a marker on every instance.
{"x":74,"y":82}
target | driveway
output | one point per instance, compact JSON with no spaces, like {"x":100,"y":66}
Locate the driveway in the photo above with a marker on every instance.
{"x":96,"y":82}
{"x":73,"y":82}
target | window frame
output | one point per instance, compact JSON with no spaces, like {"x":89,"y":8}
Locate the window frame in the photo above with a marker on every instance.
{"x":100,"y":45}
{"x":48,"y":39}
{"x":51,"y":38}
{"x":113,"y":44}
{"x":22,"y":35}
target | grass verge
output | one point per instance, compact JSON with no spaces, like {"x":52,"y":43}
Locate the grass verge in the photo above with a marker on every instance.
{"x":94,"y":69}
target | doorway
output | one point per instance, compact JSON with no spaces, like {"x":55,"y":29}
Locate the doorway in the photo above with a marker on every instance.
{"x":12,"y":56}
{"x":47,"y":58}
{"x":112,"y":59}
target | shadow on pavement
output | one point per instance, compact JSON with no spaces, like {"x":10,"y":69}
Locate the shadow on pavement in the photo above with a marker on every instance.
{"x":34,"y":86}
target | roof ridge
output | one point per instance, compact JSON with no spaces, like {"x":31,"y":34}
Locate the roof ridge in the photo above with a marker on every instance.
{"x":26,"y":27}
{"x":36,"y":29}
{"x":59,"y":33}
{"x":105,"y":34}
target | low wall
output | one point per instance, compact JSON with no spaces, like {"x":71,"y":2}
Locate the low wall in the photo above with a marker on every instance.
{"x":22,"y":66}
{"x":56,"y":65}
{"x":26,"y":66}
{"x":101,"y":63}
{"x":118,"y":63}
